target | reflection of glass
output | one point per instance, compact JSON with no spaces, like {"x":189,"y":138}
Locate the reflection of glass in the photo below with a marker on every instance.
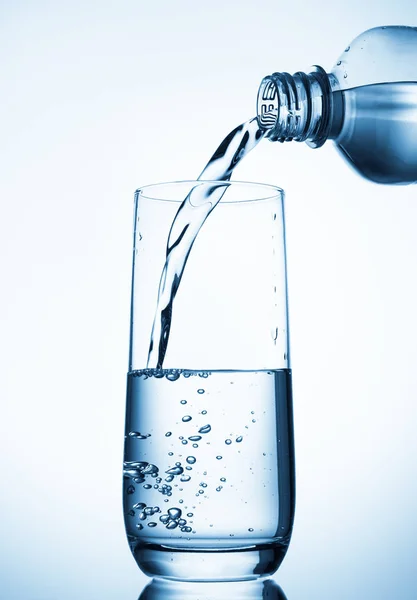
{"x":163,"y":589}
{"x":209,"y":465}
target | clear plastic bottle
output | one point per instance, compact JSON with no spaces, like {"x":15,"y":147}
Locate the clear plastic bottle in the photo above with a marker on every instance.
{"x":367,"y":105}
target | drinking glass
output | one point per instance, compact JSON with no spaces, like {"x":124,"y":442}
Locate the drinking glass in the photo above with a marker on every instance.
{"x":209,"y":454}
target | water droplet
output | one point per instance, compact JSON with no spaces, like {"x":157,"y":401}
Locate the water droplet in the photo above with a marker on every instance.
{"x":219,"y":457}
{"x":201,"y":491}
{"x":187,"y":530}
{"x":182,"y":522}
{"x":169,"y":478}
{"x":164,"y":518}
{"x":180,"y":501}
{"x":339,"y":62}
{"x":228,"y":442}
{"x":184,"y":442}
{"x":194,"y":438}
{"x":175,"y":513}
{"x":252,"y":412}
{"x":191,"y":460}
{"x":183,"y":401}
{"x":250,"y":529}
{"x":168,"y":433}
{"x":223,"y":479}
{"x":152,"y":524}
{"x":147,"y":486}
{"x":142,"y":516}
{"x":186,"y":418}
{"x":202,"y":484}
{"x":172,"y":525}
{"x":131,"y":513}
{"x":205,"y":429}
{"x":185,"y":478}
{"x":148,"y":510}
{"x":219,"y":489}
{"x":190,"y":514}
{"x":345,"y":76}
{"x":139,"y":506}
{"x":200,"y":391}
{"x":253,"y":420}
{"x":139,"y":526}
{"x":195,"y":445}
{"x":239,"y":438}
{"x":130,"y":489}
{"x":170,"y":454}
{"x":139,"y":436}
{"x":203,"y":412}
{"x":156,"y":509}
{"x":347,"y":49}
{"x":189,"y":468}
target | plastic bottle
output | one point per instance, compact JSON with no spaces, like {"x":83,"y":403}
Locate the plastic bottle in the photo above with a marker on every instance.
{"x":367,"y":105}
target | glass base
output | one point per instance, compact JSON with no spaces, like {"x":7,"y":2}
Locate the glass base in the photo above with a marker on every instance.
{"x":209,"y":565}
{"x":259,"y":589}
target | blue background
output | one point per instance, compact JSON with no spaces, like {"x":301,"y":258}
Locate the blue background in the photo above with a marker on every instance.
{"x":98,"y":98}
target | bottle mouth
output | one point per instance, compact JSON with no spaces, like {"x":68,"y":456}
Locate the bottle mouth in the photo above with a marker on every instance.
{"x":267,"y":105}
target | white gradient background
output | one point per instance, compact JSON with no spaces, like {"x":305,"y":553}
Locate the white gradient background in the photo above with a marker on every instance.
{"x":98,"y":98}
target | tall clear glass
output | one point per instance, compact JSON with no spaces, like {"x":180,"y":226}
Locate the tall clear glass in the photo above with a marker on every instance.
{"x":209,"y":458}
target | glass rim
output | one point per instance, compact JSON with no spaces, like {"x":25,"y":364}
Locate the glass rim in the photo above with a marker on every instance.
{"x":274,"y":190}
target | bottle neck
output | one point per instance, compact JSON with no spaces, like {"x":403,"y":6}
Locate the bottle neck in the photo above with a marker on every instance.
{"x":305,"y":107}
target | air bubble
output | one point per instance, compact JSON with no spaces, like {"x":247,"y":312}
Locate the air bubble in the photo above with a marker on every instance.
{"x":130,"y":490}
{"x":177,"y":470}
{"x":202,"y":484}
{"x":152,"y":524}
{"x":142,"y":516}
{"x":139,"y":436}
{"x":147,"y":486}
{"x":169,"y":478}
{"x":223,"y":479}
{"x":228,"y":442}
{"x":250,"y":529}
{"x":183,"y":401}
{"x":175,"y":513}
{"x":191,"y":460}
{"x":164,"y":519}
{"x":173,"y":375}
{"x":195,"y":445}
{"x":148,"y":511}
{"x":172,"y":525}
{"x":239,"y":438}
{"x":194,"y":438}
{"x":131,"y":513}
{"x":168,"y":433}
{"x":139,"y":526}
{"x":139,"y":506}
{"x":203,"y":412}
{"x":219,"y":489}
{"x":200,"y":391}
{"x":219,"y":457}
{"x":190,"y":514}
{"x":345,"y":76}
{"x":186,"y":418}
{"x":182,"y":522}
{"x":339,"y":62}
{"x":205,"y":429}
{"x":148,"y":470}
{"x":347,"y":49}
{"x":201,"y":491}
{"x":170,"y":454}
{"x":184,"y":442}
{"x":185,"y":478}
